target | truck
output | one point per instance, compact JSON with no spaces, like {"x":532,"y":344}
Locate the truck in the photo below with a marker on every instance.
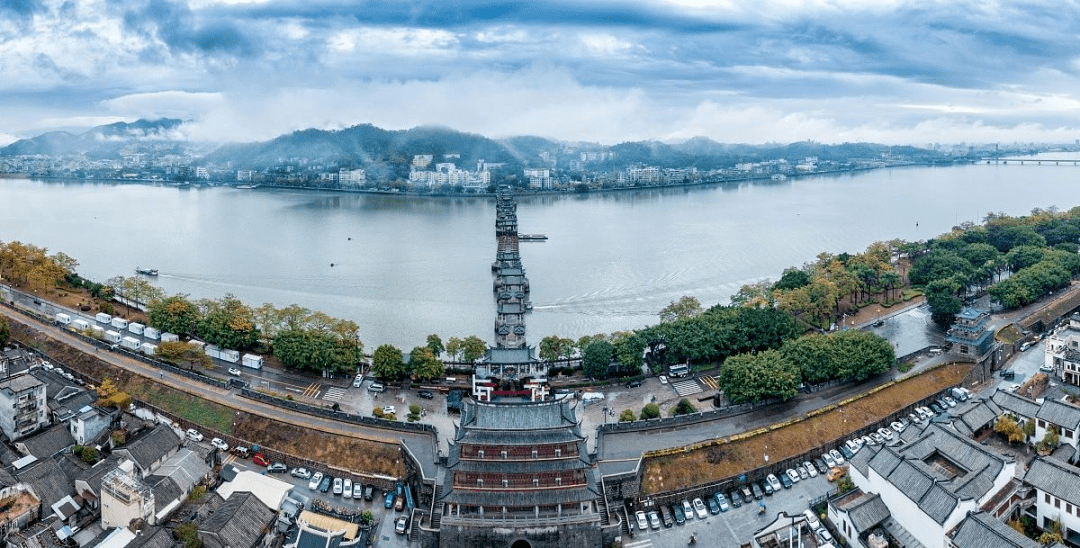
{"x":253,"y":361}
{"x":80,"y":325}
{"x":148,"y":349}
{"x":136,"y":328}
{"x":112,"y":336}
{"x":131,"y":343}
{"x":103,"y":318}
{"x":151,"y":333}
{"x":63,"y":319}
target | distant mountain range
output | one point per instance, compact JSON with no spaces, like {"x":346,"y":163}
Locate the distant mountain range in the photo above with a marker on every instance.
{"x":388,"y":152}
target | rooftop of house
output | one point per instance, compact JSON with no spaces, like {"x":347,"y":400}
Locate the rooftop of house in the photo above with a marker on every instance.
{"x":1009,"y":401}
{"x":19,"y":383}
{"x":48,"y":481}
{"x":981,"y":530}
{"x":48,"y":442}
{"x":1055,"y":477}
{"x":975,"y":414}
{"x":240,"y":521}
{"x":865,"y":510}
{"x":1059,"y":413}
{"x":152,"y":446}
{"x":520,"y":416}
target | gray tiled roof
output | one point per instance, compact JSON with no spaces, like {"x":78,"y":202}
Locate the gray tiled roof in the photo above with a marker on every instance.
{"x":980,"y":530}
{"x":185,"y":467}
{"x":1009,"y":401}
{"x":48,"y":481}
{"x":165,"y":491}
{"x":49,"y":442}
{"x":19,"y":383}
{"x":1059,"y":413}
{"x":151,"y":447}
{"x":1055,"y":477}
{"x":93,"y":475}
{"x":518,"y":416}
{"x":159,"y":537}
{"x":239,"y":521}
{"x":866,"y":511}
{"x":974,"y":415}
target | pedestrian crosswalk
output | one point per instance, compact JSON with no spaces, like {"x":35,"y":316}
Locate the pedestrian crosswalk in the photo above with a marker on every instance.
{"x":643,"y":543}
{"x":687,"y":387}
{"x":334,"y":393}
{"x":312,"y":390}
{"x":710,"y":381}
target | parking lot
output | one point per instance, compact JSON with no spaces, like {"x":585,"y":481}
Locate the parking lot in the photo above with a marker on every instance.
{"x":384,"y":532}
{"x":737,"y":525}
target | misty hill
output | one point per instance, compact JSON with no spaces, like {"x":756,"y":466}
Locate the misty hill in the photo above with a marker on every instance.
{"x":99,"y":142}
{"x":369,"y":146}
{"x":705,"y":153}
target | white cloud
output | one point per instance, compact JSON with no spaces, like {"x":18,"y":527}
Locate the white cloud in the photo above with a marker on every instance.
{"x":164,"y":104}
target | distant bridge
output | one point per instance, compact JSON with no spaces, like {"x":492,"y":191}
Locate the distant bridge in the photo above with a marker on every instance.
{"x":1032,"y":161}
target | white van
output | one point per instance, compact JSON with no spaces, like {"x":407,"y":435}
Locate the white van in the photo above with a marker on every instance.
{"x":376,"y":387}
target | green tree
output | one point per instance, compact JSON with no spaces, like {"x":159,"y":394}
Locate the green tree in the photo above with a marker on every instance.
{"x":424,"y":364}
{"x":453,"y":348}
{"x":650,"y":411}
{"x":387,"y":363}
{"x":685,"y":307}
{"x":944,"y":304}
{"x":174,"y":314}
{"x":551,"y":347}
{"x":228,"y":323}
{"x":435,"y":345}
{"x":5,"y":332}
{"x":184,"y":355}
{"x":684,"y":407}
{"x":597,"y":358}
{"x":750,"y":378}
{"x":188,"y":533}
{"x":366,"y":517}
{"x":792,"y":278}
{"x":305,"y":349}
{"x":472,"y":348}
{"x":627,"y":416}
{"x":628,"y":349}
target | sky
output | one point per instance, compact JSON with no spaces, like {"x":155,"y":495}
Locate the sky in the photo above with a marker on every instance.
{"x":896,"y":72}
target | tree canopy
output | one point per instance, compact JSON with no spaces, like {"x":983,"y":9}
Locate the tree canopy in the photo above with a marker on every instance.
{"x":424,"y":364}
{"x":387,"y":362}
{"x":227,"y":322}
{"x":174,"y":314}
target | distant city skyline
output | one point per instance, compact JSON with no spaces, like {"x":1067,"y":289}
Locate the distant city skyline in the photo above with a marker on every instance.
{"x":600,"y":71}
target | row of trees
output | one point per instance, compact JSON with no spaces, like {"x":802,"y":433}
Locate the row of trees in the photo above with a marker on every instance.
{"x":32,"y":267}
{"x":852,"y":355}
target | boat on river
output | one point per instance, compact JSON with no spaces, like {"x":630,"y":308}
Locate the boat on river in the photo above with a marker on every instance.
{"x":146,"y":271}
{"x":532,"y":237}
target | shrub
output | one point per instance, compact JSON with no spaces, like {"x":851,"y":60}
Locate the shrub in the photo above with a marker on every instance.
{"x":905,"y":367}
{"x":378,"y":412}
{"x":650,"y":411}
{"x":87,"y":454}
{"x":414,"y":409}
{"x":367,"y":517}
{"x":627,"y":416}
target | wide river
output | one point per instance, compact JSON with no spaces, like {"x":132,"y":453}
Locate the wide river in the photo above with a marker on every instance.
{"x":405,"y":267}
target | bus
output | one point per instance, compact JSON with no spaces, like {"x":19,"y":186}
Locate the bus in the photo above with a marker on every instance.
{"x":679,"y":370}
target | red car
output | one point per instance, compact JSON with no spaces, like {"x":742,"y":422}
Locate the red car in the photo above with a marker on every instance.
{"x":260,"y":459}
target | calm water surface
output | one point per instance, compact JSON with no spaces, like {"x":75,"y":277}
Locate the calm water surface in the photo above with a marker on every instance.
{"x":404,"y":267}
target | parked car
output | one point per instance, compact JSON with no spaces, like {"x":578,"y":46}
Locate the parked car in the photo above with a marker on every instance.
{"x":663,"y":379}
{"x":369,"y":492}
{"x":747,"y":494}
{"x":194,"y":435}
{"x":722,"y":502}
{"x":359,"y":380}
{"x":301,"y":473}
{"x":786,"y":481}
{"x":260,"y":459}
{"x":346,"y":489}
{"x":867,"y":440}
{"x":654,"y":520}
{"x":633,"y":384}
{"x":878,"y":439}
{"x":234,"y":371}
{"x":389,"y":410}
{"x":824,"y":536}
{"x":755,"y":491}
{"x":642,"y":521}
{"x":836,"y":456}
{"x":793,"y":475}
{"x":885,"y":433}
{"x":810,"y":469}
{"x":401,"y":524}
{"x":687,"y":509}
{"x":277,"y":468}
{"x":241,"y":451}
{"x":324,"y":485}
{"x":803,"y":474}
{"x":836,"y":473}
{"x":811,"y":519}
{"x":677,"y":511}
{"x":765,"y":487}
{"x":915,"y":418}
{"x":897,"y":427}
{"x":829,"y":461}
{"x":1046,"y":368}
{"x":714,"y":508}
{"x":425,"y":395}
{"x":315,"y":481}
{"x":773,"y":482}
{"x":736,"y":498}
{"x":949,"y":400}
{"x":358,"y":491}
{"x":337,"y":486}
{"x":220,"y":444}
{"x":666,"y":516}
{"x":388,"y":500}
{"x":820,"y":464}
{"x":399,"y":503}
{"x":699,"y":509}
{"x":878,"y":323}
{"x":845,"y":452}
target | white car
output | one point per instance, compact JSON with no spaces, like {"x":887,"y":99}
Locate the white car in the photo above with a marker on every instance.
{"x":793,"y":475}
{"x":389,"y":410}
{"x":687,"y":510}
{"x":836,"y":456}
{"x":338,"y":486}
{"x":885,"y":433}
{"x":812,"y":520}
{"x":220,"y":444}
{"x":194,"y":435}
{"x":829,"y":461}
{"x":358,"y":381}
{"x":301,"y":473}
{"x":810,"y":469}
{"x":897,"y":426}
{"x":773,"y":482}
{"x":642,"y":521}
{"x":1046,"y":368}
{"x":315,"y":481}
{"x":663,"y":379}
{"x":234,"y":371}
{"x":401,"y":524}
{"x":699,"y":509}
{"x":346,"y":489}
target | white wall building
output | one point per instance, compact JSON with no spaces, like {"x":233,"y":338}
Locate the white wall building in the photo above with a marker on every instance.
{"x":124,"y":498}
{"x":539,"y":178}
{"x":1057,"y":490}
{"x":22,"y":406}
{"x":1062,"y":350}
{"x":352,"y":177}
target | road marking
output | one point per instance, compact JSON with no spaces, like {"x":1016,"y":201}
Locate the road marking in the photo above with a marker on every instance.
{"x":687,"y":387}
{"x":334,"y":393}
{"x":312,"y":390}
{"x":710,"y":381}
{"x":639,"y":544}
{"x":229,"y":459}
